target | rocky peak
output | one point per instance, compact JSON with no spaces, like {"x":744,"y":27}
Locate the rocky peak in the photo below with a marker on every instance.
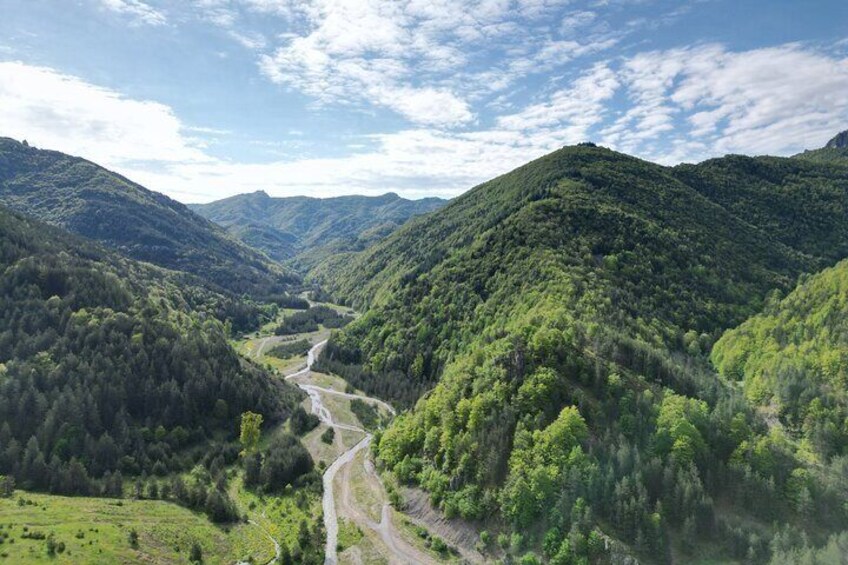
{"x":838,"y":142}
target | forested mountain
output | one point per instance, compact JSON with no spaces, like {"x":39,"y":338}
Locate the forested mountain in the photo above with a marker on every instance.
{"x":89,"y":200}
{"x":835,"y":151}
{"x":561,"y":318}
{"x":792,"y":360}
{"x":111,"y":368}
{"x":312,"y":227}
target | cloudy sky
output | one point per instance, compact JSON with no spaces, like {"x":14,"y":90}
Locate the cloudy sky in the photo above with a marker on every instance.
{"x":202,"y":99}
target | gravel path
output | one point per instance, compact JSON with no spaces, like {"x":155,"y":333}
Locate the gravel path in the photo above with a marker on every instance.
{"x":402,"y":551}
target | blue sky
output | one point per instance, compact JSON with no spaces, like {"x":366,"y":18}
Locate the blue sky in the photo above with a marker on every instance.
{"x":202,"y":99}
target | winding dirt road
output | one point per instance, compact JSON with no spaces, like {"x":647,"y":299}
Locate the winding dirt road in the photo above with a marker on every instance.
{"x":400,"y":550}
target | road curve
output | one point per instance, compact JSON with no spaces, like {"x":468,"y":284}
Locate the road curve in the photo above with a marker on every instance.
{"x":385,"y":528}
{"x":331,"y":521}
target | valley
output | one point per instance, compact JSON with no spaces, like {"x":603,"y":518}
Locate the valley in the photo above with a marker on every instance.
{"x":353,"y":492}
{"x":402,"y":282}
{"x":590,"y":359}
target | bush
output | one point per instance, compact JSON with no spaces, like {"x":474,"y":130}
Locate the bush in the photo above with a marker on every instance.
{"x":196,"y":553}
{"x":309,"y":320}
{"x":290,"y":349}
{"x":302,"y":422}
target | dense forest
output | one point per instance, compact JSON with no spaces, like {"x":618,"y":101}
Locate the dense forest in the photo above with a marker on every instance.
{"x":312,"y":228}
{"x":109,"y":368}
{"x":561,"y":319}
{"x":310,"y":320}
{"x":792,"y":360}
{"x":90,"y":201}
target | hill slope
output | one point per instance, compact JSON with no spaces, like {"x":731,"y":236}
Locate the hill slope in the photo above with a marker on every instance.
{"x":285,"y":227}
{"x":835,"y":151}
{"x":90,"y":201}
{"x":564,"y":312}
{"x":109,"y":367}
{"x":793,"y":360}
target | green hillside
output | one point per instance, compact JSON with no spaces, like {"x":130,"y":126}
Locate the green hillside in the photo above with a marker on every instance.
{"x":800,"y":204}
{"x":834,"y":152}
{"x":312,"y":228}
{"x":793,"y":361}
{"x":560,"y":318}
{"x":90,"y":201}
{"x":111,"y":368}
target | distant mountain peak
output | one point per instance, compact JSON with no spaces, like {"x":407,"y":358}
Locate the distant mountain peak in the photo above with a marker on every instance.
{"x":838,"y":142}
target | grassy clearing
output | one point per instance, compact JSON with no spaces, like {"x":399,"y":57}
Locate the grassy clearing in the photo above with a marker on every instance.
{"x":97,"y":530}
{"x":327,"y":453}
{"x":331,"y":382}
{"x":367,"y":495}
{"x":365,"y":551}
{"x":349,"y":534}
{"x":279,"y":515}
{"x":339,"y":407}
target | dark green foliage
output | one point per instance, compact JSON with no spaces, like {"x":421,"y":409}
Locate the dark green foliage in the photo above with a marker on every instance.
{"x":88,"y":200}
{"x":287,"y":300}
{"x":328,"y":436}
{"x":798,"y":552}
{"x":196,"y":553}
{"x":312,"y":227}
{"x":205,"y":492}
{"x":310,"y":320}
{"x":290,"y":349}
{"x":797,"y":203}
{"x":283,"y":463}
{"x":7,"y":486}
{"x":366,"y":413}
{"x":105,"y":368}
{"x":302,"y":422}
{"x":560,"y":318}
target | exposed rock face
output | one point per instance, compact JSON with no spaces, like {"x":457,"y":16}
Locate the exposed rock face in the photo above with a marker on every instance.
{"x":838,"y":142}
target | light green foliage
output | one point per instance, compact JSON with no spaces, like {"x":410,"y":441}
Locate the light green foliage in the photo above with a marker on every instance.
{"x":539,"y":462}
{"x":251,"y":429}
{"x":593,"y":280}
{"x":679,"y":426}
{"x":794,"y":357}
{"x":99,"y":530}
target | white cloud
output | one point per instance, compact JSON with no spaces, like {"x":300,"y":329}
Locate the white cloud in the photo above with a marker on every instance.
{"x":576,"y":108}
{"x":63,"y":112}
{"x":401,"y":54}
{"x":776,"y":100}
{"x":672,"y":105}
{"x":575,"y":21}
{"x":365,"y":50}
{"x":140,"y":12}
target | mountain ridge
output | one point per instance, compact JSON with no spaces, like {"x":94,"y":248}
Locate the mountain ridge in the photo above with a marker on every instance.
{"x":91,"y":201}
{"x":550,"y":329}
{"x":834,"y":151}
{"x":285,"y":227}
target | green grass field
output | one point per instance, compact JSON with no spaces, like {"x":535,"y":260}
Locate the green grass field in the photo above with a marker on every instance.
{"x":97,"y":530}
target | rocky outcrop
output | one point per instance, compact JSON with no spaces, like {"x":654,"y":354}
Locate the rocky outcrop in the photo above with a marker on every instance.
{"x":838,"y":142}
